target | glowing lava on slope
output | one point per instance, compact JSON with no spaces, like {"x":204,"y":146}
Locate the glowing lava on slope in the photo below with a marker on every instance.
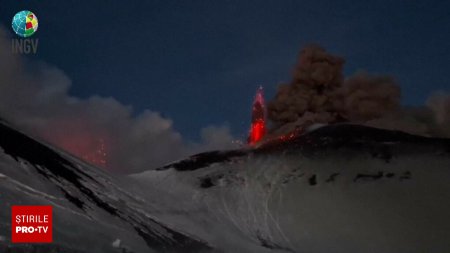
{"x":80,"y":142}
{"x":98,"y":157}
{"x":258,"y":125}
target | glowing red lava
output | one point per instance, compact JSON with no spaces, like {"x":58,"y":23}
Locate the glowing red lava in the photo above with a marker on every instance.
{"x":258,"y":126}
{"x":98,"y":157}
{"x":80,"y":142}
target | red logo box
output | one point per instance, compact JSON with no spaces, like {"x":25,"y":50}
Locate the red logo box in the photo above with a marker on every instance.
{"x":31,"y":224}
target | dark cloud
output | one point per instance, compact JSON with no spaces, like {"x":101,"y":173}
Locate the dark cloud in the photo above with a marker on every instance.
{"x":369,"y":97}
{"x":319,"y":93}
{"x":313,"y":90}
{"x":439,"y":103}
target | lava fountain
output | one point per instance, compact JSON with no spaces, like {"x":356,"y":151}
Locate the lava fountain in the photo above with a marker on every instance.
{"x":258,"y":125}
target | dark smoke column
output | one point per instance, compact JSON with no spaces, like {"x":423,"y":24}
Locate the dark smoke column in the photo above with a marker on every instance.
{"x":258,"y":126}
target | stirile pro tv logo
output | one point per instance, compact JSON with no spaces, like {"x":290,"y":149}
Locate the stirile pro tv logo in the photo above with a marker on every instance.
{"x":25,"y":24}
{"x":31,"y":224}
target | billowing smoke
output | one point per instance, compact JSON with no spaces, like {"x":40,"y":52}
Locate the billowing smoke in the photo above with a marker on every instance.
{"x":439,"y":104}
{"x":369,"y":97}
{"x":35,"y":97}
{"x":313,"y":91}
{"x":319,"y":93}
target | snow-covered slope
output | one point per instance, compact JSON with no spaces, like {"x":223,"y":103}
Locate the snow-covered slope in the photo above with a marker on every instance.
{"x":342,"y":188}
{"x":90,"y":208}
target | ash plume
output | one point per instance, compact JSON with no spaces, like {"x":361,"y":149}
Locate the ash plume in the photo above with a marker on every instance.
{"x":369,"y":97}
{"x":319,"y":93}
{"x":439,"y":104}
{"x":313,"y":91}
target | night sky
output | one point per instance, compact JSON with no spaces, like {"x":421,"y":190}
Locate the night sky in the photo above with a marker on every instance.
{"x":200,"y":62}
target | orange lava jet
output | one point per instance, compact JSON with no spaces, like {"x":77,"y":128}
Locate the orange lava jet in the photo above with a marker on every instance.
{"x":258,"y":126}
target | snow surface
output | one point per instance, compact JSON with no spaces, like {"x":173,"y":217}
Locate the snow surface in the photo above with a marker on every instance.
{"x":276,"y":203}
{"x":336,"y":189}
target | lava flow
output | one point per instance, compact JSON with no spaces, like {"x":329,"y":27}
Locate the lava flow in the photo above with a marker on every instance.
{"x":258,"y":126}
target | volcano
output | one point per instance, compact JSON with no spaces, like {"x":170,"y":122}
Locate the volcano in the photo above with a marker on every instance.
{"x":337,"y":188}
